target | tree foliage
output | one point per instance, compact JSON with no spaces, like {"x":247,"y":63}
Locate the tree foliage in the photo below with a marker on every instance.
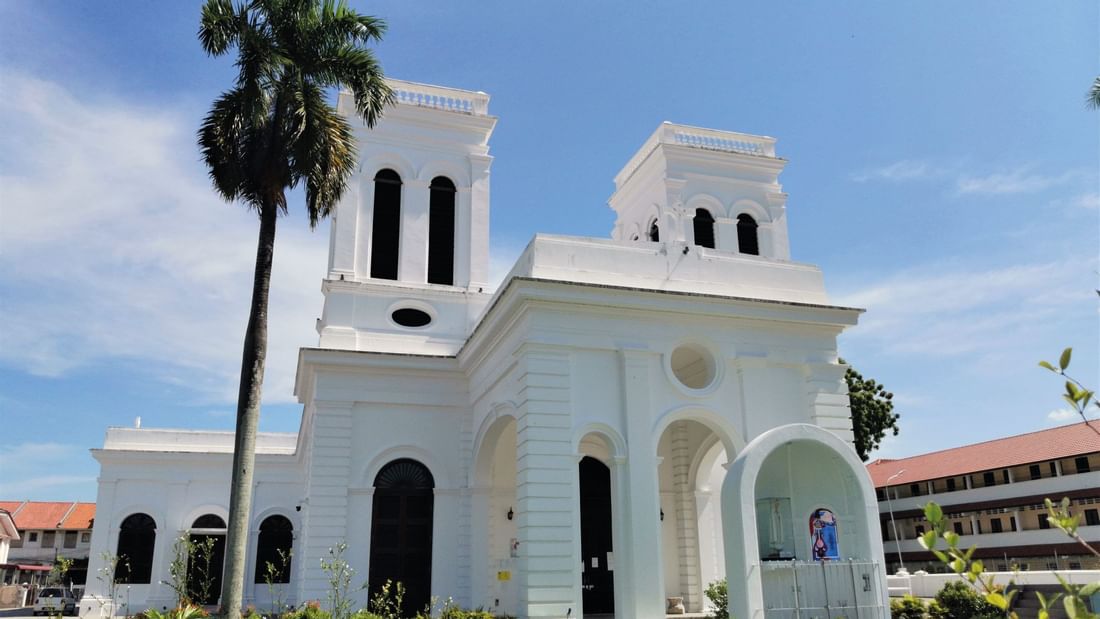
{"x":872,"y":411}
{"x":272,"y":131}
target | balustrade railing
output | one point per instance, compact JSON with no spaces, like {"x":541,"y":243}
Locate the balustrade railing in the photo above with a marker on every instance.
{"x":437,"y":97}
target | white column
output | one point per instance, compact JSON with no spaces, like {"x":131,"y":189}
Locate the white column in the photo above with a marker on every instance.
{"x":641,"y":517}
{"x":413,"y":250}
{"x":827,"y":394}
{"x":687,"y":538}
{"x":364,"y":227}
{"x":480,"y":569}
{"x":545,"y":485}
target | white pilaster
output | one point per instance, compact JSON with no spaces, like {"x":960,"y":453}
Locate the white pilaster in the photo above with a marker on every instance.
{"x":413,"y":250}
{"x":545,"y":471}
{"x":641,"y":518}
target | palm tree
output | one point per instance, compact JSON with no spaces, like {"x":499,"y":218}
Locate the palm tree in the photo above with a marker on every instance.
{"x":1092,"y":99}
{"x":273,"y":130}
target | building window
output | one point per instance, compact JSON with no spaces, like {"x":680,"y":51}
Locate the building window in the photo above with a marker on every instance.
{"x":914,"y":489}
{"x":879,"y":494}
{"x":1092,"y":517}
{"x":977,"y":527}
{"x":86,"y":537}
{"x":1036,"y":472}
{"x":1074,"y":565}
{"x":1012,"y":523}
{"x":1004,"y":476}
{"x":1043,"y":522}
{"x":441,"y":232}
{"x":747,"y":242}
{"x":951,"y":484}
{"x":958,"y":527}
{"x":1053,"y":469}
{"x":273,"y":547}
{"x":136,"y":538}
{"x":1082,"y":464}
{"x":70,"y":539}
{"x":995,"y":525}
{"x":48,"y":539}
{"x":920,"y":530}
{"x":988,"y":479}
{"x":32,"y":536}
{"x":704,"y":228}
{"x":654,"y":233}
{"x":386,"y":231}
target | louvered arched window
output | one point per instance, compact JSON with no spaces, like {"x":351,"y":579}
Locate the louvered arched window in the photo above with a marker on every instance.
{"x":386,"y":226}
{"x":401,"y":531}
{"x":704,"y":228}
{"x":441,"y":232}
{"x":273,"y":547}
{"x":747,"y":242}
{"x":137,"y":535}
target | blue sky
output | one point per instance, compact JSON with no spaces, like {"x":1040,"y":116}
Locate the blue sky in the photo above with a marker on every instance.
{"x":943,"y":172}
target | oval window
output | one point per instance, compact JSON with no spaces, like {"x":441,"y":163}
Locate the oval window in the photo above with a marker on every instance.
{"x":411,"y":317}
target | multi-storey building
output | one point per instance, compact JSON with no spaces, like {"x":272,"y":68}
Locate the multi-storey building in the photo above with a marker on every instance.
{"x":49,"y":530}
{"x":993,"y":493}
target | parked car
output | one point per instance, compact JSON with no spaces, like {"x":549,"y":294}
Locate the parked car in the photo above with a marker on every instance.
{"x":55,"y":600}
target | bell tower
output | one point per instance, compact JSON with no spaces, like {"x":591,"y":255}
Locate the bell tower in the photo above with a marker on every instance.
{"x":409,"y":251}
{"x":718,"y":190}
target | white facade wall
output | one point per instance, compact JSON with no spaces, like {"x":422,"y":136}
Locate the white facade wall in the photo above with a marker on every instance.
{"x":500,"y":397}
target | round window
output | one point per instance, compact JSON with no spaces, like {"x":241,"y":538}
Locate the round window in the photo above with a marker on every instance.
{"x":693,"y":366}
{"x":411,"y":317}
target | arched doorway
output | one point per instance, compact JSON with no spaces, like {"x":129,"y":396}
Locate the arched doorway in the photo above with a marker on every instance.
{"x":401,"y":532}
{"x":206,"y":558}
{"x":597,"y":575}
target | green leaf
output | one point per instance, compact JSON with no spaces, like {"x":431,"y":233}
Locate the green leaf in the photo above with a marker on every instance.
{"x":958,"y":565}
{"x":1089,"y":589}
{"x":932,"y":512}
{"x":997,"y":600}
{"x":951,"y":537}
{"x":1064,"y":360}
{"x":1047,"y":365}
{"x":928,"y":540}
{"x":940,"y":555}
{"x":977,"y":567}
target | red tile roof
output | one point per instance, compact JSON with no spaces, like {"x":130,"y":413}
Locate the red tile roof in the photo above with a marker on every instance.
{"x":81,"y":517}
{"x":31,"y":515}
{"x":1062,"y":442}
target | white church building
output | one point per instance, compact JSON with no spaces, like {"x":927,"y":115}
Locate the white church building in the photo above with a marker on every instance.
{"x":622,"y":422}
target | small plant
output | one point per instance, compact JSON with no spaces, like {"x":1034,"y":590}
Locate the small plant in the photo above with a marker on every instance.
{"x":959,"y":600}
{"x":108,"y":575}
{"x":310,"y":610}
{"x":718,"y":593}
{"x":275,"y":575}
{"x":177,"y":570}
{"x":907,"y":607}
{"x":339,"y":581}
{"x":388,"y":601}
{"x":201,"y":558}
{"x":60,"y":569}
{"x":184,"y":611}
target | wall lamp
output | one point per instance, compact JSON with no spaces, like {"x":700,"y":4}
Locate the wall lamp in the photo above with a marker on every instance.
{"x":511,"y":514}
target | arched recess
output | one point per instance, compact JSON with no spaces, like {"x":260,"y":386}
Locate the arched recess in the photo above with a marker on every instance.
{"x":683,"y":438}
{"x":495,"y":515}
{"x":441,"y":231}
{"x":772,"y":487}
{"x":748,"y":235}
{"x":703,"y":227}
{"x":602,"y":584}
{"x":401,"y":532}
{"x":274,"y":549}
{"x":206,"y":534}
{"x":386,"y":224}
{"x":411,"y":452}
{"x":137,"y":536}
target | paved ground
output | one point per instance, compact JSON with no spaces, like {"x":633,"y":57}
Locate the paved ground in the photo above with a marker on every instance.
{"x":15,"y":612}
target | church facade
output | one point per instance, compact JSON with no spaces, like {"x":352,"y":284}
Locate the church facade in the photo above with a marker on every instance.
{"x":622,"y":422}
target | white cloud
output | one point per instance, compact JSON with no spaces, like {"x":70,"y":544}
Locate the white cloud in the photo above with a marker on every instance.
{"x":23,"y":466}
{"x":115,"y":247}
{"x":943,"y":312}
{"x":1062,"y":415}
{"x":1020,"y":180}
{"x":905,"y":170}
{"x":1088,"y":201}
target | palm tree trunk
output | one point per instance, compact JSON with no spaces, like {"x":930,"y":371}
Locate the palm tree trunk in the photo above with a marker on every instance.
{"x":248,"y":417}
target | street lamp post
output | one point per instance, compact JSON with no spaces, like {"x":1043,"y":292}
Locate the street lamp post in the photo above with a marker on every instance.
{"x":893,"y":525}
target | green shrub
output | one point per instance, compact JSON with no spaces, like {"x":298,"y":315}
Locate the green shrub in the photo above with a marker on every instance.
{"x":364,"y":614}
{"x":720,"y":597}
{"x":908,"y":607}
{"x":958,"y":600}
{"x":310,"y":610}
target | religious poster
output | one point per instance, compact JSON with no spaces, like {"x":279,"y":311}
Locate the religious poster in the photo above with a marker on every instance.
{"x":823,"y":536}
